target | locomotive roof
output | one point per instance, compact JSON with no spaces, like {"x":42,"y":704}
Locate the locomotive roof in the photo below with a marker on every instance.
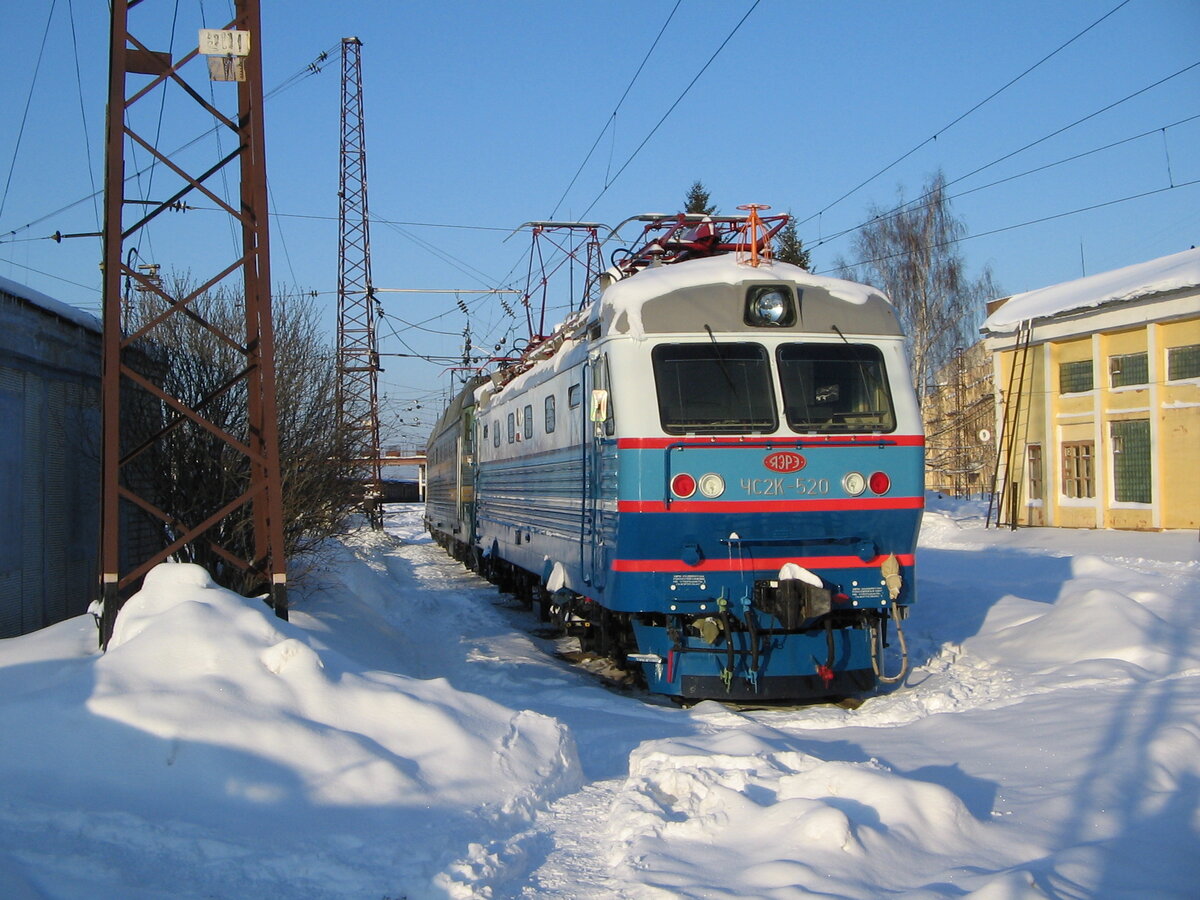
{"x":686,"y":296}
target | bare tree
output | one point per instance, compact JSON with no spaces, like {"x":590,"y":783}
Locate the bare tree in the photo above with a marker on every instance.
{"x":910,"y":252}
{"x":191,"y":473}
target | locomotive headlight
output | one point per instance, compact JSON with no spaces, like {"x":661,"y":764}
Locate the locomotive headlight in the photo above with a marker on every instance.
{"x":712,"y":485}
{"x":854,"y":484}
{"x":768,"y":305}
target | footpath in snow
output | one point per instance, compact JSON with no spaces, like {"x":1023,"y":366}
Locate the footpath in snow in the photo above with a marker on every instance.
{"x":409,"y":734}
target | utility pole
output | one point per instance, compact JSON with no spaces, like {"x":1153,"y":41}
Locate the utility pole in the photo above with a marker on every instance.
{"x":140,"y":525}
{"x":358,"y":350}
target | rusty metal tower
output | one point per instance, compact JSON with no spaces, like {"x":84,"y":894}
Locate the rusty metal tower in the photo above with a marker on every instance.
{"x":358,"y":352}
{"x":239,"y":530}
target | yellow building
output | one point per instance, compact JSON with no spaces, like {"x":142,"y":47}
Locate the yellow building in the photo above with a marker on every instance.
{"x":1098,"y":399}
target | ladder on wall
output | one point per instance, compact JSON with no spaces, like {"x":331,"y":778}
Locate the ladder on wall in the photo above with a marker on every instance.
{"x":1006,"y":477}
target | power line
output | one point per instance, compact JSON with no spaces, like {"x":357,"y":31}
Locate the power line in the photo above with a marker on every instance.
{"x":883,"y":217}
{"x":1038,"y":221}
{"x":28,"y":102}
{"x":86,"y":287}
{"x":946,"y":128}
{"x":312,"y":68}
{"x":87,"y":142}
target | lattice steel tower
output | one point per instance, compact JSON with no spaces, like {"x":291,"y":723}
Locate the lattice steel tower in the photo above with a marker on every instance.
{"x":358,"y":352}
{"x":157,"y":433}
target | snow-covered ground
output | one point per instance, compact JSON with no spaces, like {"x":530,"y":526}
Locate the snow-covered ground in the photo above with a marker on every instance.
{"x":407,"y":735}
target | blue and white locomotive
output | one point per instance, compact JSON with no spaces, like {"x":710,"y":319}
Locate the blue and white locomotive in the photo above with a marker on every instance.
{"x":714,"y":472}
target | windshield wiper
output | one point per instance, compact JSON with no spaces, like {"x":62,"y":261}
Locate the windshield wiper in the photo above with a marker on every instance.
{"x":721,"y":360}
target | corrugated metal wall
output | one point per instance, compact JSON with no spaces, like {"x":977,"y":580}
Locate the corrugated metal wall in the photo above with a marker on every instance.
{"x":49,"y":466}
{"x":12,"y":441}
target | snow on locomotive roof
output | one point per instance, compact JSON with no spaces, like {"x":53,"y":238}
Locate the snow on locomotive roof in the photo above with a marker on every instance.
{"x":624,"y":303}
{"x":631,"y":292}
{"x":1177,"y":271}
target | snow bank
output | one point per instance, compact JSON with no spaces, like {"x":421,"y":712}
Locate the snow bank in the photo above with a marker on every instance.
{"x":406,"y":736}
{"x":208,"y":712}
{"x":754,"y":818}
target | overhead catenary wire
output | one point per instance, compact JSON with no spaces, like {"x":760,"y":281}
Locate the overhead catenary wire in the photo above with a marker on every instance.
{"x":609,"y":181}
{"x":704,"y":68}
{"x":613,"y":115}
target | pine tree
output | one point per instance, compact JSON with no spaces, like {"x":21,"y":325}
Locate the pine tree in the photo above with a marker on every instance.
{"x":698,"y":201}
{"x":789,"y":248}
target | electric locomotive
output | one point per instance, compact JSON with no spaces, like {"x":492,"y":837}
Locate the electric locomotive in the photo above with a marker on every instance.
{"x":713,"y":472}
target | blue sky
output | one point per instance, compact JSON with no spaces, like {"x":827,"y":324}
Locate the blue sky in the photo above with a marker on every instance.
{"x":481,"y":114}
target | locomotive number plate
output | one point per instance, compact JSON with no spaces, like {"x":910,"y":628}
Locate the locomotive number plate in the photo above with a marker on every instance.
{"x":785,"y":487}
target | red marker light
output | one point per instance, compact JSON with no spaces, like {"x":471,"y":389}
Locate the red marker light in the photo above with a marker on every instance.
{"x":879,"y":483}
{"x":683,"y":485}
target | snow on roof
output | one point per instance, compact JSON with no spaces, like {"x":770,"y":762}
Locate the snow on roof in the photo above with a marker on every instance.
{"x":1157,"y":276}
{"x":57,"y":307}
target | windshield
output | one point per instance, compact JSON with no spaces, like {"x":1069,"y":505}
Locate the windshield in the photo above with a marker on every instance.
{"x":835,"y":388}
{"x":713,"y":388}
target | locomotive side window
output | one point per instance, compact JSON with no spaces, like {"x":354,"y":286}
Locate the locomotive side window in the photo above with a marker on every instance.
{"x":713,"y":388}
{"x":835,"y":388}
{"x":550,"y":414}
{"x":512,"y":428}
{"x":528,"y":422}
{"x":496,"y":433}
{"x":574,"y":395}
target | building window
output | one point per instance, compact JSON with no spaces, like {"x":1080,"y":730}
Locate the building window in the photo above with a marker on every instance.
{"x":550,"y":414}
{"x":1034,"y":467}
{"x":512,"y":428}
{"x":1131,"y":460}
{"x":1078,"y":470}
{"x":1183,"y":362}
{"x":1075,"y":377}
{"x":1129,"y":368}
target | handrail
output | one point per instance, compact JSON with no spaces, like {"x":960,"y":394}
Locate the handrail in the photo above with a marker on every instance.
{"x":788,"y":444}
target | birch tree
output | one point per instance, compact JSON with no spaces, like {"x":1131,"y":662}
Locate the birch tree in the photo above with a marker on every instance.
{"x":911,"y":252}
